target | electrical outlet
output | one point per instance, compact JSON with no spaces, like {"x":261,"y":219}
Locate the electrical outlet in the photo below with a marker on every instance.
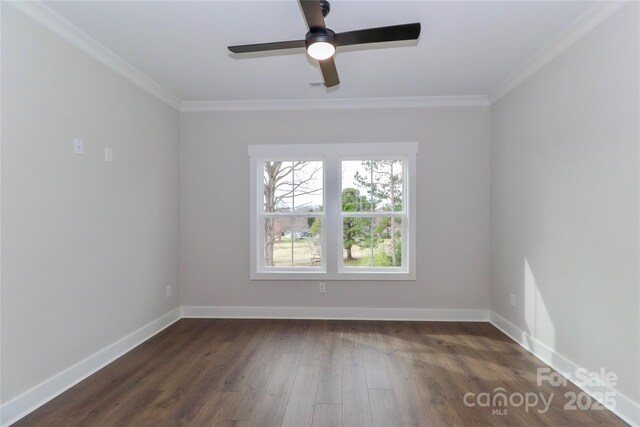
{"x":512,"y":300}
{"x":322,"y":288}
{"x":168,"y":292}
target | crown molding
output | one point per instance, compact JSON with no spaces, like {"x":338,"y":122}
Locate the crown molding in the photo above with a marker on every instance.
{"x":337,"y":103}
{"x":45,"y":16}
{"x":587,"y":21}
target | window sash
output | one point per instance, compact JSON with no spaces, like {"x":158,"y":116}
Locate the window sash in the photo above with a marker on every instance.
{"x":261,"y":162}
{"x":403,"y":267}
{"x":364,"y":157}
{"x":263,"y":215}
{"x":273,"y":268}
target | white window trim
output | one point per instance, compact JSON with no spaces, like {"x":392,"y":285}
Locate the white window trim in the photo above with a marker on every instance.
{"x":332,"y":155}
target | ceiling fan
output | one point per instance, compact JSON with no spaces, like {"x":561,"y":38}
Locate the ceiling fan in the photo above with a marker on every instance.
{"x":321,"y":42}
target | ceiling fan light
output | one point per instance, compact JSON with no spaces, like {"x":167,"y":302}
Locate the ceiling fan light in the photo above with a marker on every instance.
{"x":321,"y":50}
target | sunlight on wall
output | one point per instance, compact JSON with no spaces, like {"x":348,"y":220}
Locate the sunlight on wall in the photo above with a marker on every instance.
{"x":536,"y":315}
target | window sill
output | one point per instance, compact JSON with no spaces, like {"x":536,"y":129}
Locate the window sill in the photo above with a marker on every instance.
{"x":344,"y":276}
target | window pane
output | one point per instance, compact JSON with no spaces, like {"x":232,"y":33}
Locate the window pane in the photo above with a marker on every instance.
{"x":372,"y":185}
{"x":292,"y":242}
{"x":278,"y":181}
{"x":308,"y":186}
{"x":277,"y":242}
{"x":372,"y":242}
{"x":293,"y":186}
{"x":356,"y":186}
{"x":387,"y":184}
{"x":307,"y":242}
{"x":356,"y":241}
{"x":387,"y":251}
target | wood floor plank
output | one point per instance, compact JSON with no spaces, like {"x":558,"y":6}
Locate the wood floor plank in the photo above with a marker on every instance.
{"x":180,"y":374}
{"x":375,"y":370}
{"x":314,"y":345}
{"x":435,"y":405}
{"x":247,"y":360}
{"x":255,"y":390}
{"x":273,"y":404}
{"x":266,"y":373}
{"x":255,"y":377}
{"x":299,"y":411}
{"x":233,"y":423}
{"x":327,"y":415}
{"x":330,"y":381}
{"x":384,"y":410}
{"x":216,"y":409}
{"x":196,"y":395}
{"x":407,"y":394}
{"x":355,"y":397}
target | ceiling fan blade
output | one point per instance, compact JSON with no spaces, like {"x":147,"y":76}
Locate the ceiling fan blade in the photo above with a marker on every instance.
{"x":329,"y":72}
{"x":378,"y":35}
{"x":312,"y":13}
{"x":261,"y":47}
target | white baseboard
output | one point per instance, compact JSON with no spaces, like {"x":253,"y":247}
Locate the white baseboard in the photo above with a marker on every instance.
{"x":625,"y":408}
{"x":32,"y":399}
{"x":337,"y":313}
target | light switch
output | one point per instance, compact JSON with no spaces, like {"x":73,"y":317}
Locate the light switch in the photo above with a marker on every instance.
{"x":108,"y":155}
{"x":78,"y":146}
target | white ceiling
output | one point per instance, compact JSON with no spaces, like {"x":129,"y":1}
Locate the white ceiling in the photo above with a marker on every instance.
{"x":466,"y":48}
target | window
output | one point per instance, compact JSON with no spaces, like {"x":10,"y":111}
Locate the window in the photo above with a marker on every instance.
{"x":333,"y":211}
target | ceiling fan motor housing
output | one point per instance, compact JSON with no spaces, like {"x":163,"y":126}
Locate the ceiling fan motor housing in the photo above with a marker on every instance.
{"x":317,"y":35}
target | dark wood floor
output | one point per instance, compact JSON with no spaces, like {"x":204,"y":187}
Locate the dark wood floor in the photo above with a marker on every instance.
{"x":313,"y":373}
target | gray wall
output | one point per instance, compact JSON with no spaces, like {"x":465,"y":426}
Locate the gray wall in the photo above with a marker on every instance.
{"x":452,"y":203}
{"x":87,"y":247}
{"x":565,"y":211}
